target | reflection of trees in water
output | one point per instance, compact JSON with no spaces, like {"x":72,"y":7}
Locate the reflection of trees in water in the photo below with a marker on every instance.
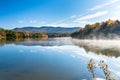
{"x":110,"y":52}
{"x":10,"y":41}
{"x":4,"y":41}
{"x":39,"y":41}
{"x":48,"y":42}
{"x":103,"y":66}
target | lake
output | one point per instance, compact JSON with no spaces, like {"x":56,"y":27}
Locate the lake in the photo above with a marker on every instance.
{"x":57,"y":59}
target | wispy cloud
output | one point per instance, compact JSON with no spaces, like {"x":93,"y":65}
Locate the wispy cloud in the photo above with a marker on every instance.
{"x":103,"y":5}
{"x":77,"y":20}
{"x":73,"y":16}
{"x":90,"y":16}
{"x":61,"y":25}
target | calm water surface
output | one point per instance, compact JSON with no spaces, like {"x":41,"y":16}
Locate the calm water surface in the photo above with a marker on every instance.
{"x":55,"y":59}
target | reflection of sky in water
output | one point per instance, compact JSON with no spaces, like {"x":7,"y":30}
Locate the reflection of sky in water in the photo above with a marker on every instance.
{"x":65,"y":62}
{"x":48,"y":42}
{"x":76,"y":52}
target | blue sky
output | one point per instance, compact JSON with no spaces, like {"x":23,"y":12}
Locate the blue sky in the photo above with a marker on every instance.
{"x":65,"y":13}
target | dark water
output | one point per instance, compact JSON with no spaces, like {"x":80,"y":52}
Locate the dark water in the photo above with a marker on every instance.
{"x":54,"y":59}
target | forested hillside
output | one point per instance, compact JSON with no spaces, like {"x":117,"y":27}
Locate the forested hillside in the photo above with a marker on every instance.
{"x":109,"y":29}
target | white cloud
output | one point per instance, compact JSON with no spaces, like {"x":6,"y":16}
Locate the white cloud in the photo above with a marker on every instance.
{"x":90,"y":16}
{"x":77,"y":20}
{"x":82,"y":22}
{"x":73,"y":16}
{"x":103,"y":5}
{"x":61,"y":25}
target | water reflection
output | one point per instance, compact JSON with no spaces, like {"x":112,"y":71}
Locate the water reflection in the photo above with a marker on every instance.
{"x":48,"y":42}
{"x":50,"y":59}
{"x":108,"y":48}
{"x":39,"y":42}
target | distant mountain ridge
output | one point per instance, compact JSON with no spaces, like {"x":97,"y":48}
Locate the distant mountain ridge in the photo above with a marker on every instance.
{"x":48,"y":29}
{"x":109,"y":29}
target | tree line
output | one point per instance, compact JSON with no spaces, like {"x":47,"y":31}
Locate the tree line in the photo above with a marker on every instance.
{"x":109,"y":29}
{"x":12,"y":35}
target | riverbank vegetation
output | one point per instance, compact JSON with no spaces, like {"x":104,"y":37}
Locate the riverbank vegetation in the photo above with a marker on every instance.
{"x":13,"y":35}
{"x":103,"y":66}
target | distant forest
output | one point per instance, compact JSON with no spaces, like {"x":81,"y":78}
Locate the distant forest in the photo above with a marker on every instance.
{"x":17,"y":35}
{"x":13,"y":35}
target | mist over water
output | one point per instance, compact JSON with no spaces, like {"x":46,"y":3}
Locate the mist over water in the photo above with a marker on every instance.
{"x":101,"y":44}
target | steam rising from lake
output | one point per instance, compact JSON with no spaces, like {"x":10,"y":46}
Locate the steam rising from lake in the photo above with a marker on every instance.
{"x":101,"y":44}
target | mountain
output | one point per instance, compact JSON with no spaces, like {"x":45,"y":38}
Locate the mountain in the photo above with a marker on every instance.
{"x":109,"y":29}
{"x":48,"y":29}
